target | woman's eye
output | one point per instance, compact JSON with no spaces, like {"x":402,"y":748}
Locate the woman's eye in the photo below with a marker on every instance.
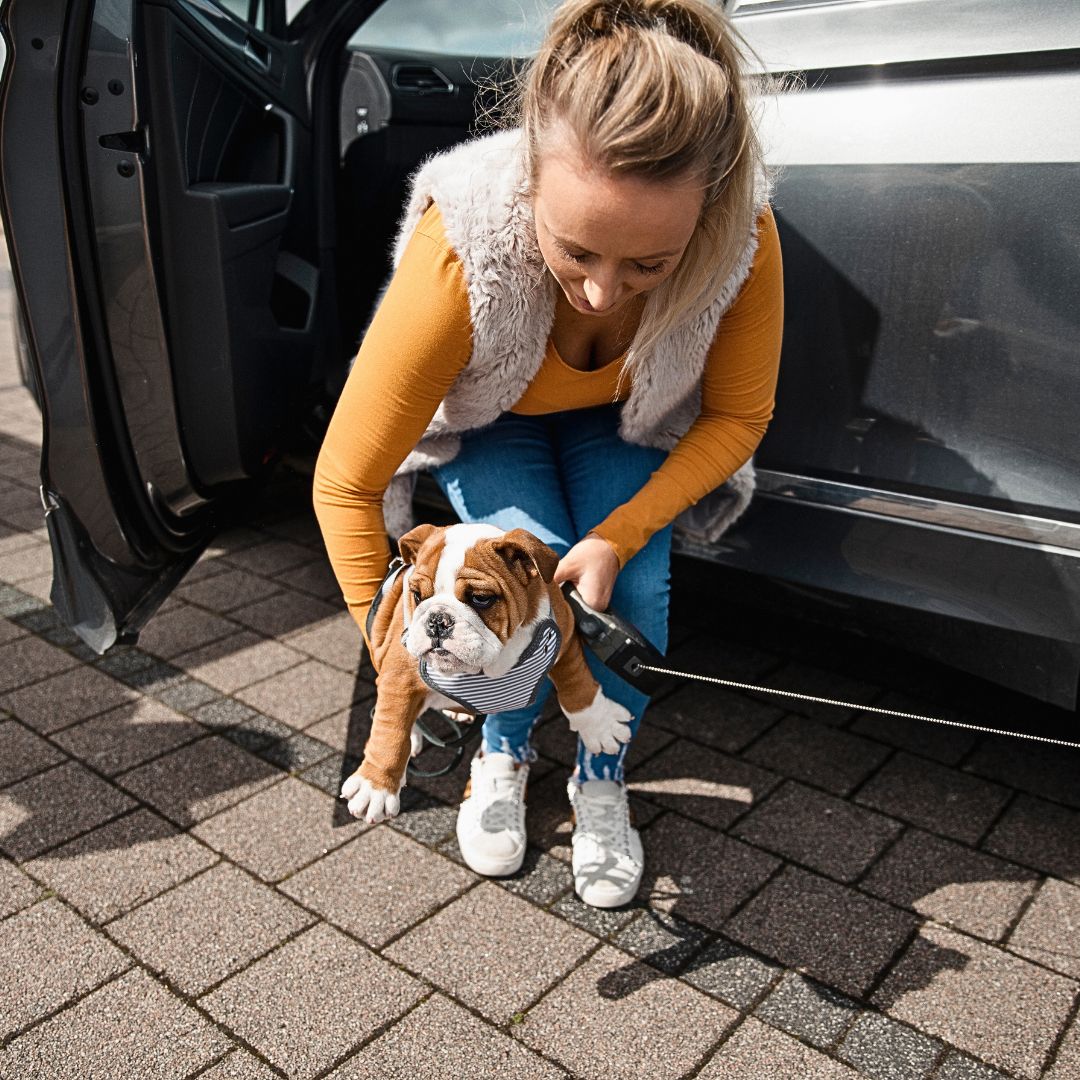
{"x":482,"y":600}
{"x":579,"y":256}
{"x":643,"y":269}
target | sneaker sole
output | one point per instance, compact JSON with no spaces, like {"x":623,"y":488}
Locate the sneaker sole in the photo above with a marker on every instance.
{"x":488,"y":866}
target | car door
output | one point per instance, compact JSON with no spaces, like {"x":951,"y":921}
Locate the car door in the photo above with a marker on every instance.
{"x":175,"y":285}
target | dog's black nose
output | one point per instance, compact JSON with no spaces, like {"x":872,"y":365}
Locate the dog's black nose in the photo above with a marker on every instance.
{"x":440,"y":624}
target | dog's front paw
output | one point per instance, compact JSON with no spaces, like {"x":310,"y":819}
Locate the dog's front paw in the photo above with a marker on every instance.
{"x":603,"y":726}
{"x":367,"y":801}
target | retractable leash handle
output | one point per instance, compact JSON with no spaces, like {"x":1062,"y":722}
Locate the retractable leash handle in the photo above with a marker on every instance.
{"x":618,"y":643}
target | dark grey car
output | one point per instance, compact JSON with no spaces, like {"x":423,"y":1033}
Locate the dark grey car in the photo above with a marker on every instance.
{"x":198,"y":198}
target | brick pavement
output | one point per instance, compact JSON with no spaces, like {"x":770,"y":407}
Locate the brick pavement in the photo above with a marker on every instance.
{"x":828,"y":894}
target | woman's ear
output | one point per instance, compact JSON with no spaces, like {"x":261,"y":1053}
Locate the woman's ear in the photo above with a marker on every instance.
{"x":410,"y":544}
{"x":520,"y":548}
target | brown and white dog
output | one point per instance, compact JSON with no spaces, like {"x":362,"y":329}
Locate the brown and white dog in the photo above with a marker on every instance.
{"x":473,"y":598}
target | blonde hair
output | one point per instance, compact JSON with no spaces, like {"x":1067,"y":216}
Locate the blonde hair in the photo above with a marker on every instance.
{"x":656,"y":89}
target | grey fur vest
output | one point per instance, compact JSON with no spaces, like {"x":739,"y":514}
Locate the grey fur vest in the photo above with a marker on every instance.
{"x":480,"y":189}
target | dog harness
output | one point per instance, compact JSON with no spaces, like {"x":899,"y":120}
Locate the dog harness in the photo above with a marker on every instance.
{"x":482,"y":694}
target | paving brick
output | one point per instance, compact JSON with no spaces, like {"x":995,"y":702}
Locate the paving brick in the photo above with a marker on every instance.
{"x":23,"y":753}
{"x":232,"y":917}
{"x":378,"y":885}
{"x":724,"y":658}
{"x":468,"y":1050}
{"x":235,"y":539}
{"x":814,"y":1013}
{"x":547,"y":814}
{"x":764,"y":1053}
{"x":224,"y":592}
{"x":53,"y":806}
{"x":803,"y":678}
{"x":697,"y":873}
{"x":295,"y":754}
{"x":1031,"y":767}
{"x":829,"y":931}
{"x":524,"y":950}
{"x":346,"y":731}
{"x":961,"y":1067}
{"x":286,"y":613}
{"x":979,"y":999}
{"x":1049,"y":931}
{"x":223,"y":713}
{"x":941,"y":800}
{"x":951,"y":884}
{"x":725,"y":719}
{"x":199,"y":780}
{"x":731,"y":973}
{"x":67,"y":698}
{"x":30,"y":561}
{"x":120,"y":865}
{"x":17,"y":891}
{"x":9,"y":631}
{"x":47,"y":956}
{"x":239,"y":1065}
{"x":127,"y":736}
{"x":662,"y":940}
{"x":647,"y":1024}
{"x":303,"y":694}
{"x":270,"y":557}
{"x":824,"y":833}
{"x":601,"y":922}
{"x":256,"y":733}
{"x":335,"y":641}
{"x":328,"y":776}
{"x":27,"y":660}
{"x":290,"y":1005}
{"x":702,"y":783}
{"x":817,"y":753}
{"x":540,"y":879}
{"x":1066,"y":1064}
{"x":133,"y":1027}
{"x":276,"y":831}
{"x":238,"y":660}
{"x":181,"y":629}
{"x":885,"y":1050}
{"x":1040,"y":834}
{"x":424,"y":818}
{"x":316,"y":578}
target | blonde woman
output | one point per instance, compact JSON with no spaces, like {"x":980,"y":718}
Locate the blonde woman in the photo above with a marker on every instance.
{"x":581,"y":338}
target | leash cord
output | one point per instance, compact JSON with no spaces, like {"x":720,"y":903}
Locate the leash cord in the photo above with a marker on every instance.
{"x":638,"y":666}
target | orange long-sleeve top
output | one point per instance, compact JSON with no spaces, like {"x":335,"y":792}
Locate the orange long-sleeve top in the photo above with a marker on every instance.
{"x":421,"y":338}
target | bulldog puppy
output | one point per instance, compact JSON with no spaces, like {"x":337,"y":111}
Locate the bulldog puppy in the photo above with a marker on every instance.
{"x":472,"y":600}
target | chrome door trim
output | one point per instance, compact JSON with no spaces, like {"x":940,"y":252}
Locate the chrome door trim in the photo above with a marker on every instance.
{"x":1022,"y":528}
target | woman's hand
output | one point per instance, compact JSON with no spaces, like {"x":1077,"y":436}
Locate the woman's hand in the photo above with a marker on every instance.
{"x":592,"y":565}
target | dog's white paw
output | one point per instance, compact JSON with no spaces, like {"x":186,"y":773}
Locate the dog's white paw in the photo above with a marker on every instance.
{"x":373,"y":804}
{"x":603,"y":726}
{"x":416,"y":741}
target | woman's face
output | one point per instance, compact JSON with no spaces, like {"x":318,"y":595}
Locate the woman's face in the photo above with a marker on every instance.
{"x":606,"y":238}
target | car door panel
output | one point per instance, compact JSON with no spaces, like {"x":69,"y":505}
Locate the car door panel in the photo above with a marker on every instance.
{"x":161,"y":246}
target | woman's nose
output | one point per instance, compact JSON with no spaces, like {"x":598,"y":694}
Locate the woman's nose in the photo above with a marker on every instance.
{"x":601,"y":292}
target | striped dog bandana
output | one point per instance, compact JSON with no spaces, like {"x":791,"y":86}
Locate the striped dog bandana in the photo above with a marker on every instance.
{"x":483,"y":694}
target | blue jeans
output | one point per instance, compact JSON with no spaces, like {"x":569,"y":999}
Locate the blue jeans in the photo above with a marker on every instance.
{"x":558,"y":476}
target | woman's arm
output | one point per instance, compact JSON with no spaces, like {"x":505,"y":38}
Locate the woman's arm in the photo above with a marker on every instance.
{"x":738,"y":396}
{"x":417,"y":344}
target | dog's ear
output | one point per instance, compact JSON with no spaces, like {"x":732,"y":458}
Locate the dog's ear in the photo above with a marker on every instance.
{"x":519,"y":548}
{"x":414,"y":539}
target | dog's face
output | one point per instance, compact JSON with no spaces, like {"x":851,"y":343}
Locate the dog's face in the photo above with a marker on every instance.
{"x":473,"y":595}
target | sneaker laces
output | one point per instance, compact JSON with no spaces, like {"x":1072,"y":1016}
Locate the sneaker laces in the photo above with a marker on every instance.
{"x":498,"y":797}
{"x":604,"y":818}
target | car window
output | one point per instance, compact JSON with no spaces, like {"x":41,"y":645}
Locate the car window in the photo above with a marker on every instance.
{"x":458,"y":28}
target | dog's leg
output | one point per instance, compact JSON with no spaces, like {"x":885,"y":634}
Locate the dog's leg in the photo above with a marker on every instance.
{"x":603,"y":724}
{"x":374,"y":790}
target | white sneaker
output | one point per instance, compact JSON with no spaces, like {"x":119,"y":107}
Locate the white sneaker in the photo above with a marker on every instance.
{"x":491,"y":819}
{"x":608,"y":859}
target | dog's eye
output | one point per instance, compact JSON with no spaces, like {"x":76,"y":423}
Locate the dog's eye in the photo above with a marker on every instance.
{"x":480,"y":601}
{"x":415,"y":594}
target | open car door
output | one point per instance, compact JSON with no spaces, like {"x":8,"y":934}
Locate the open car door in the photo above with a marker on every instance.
{"x":158,"y":197}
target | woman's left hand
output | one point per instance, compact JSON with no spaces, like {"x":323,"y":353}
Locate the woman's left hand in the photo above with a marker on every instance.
{"x":592,"y":565}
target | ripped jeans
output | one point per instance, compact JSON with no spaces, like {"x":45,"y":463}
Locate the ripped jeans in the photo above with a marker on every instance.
{"x":559,"y":475}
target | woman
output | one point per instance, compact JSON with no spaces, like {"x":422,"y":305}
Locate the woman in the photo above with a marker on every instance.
{"x":581,"y":338}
